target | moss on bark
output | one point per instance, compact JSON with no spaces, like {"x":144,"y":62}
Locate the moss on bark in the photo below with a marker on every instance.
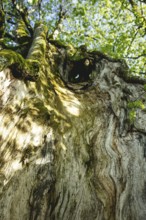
{"x":26,"y":69}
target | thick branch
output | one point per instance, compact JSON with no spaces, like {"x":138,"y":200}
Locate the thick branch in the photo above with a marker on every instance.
{"x":26,"y":23}
{"x":26,"y":69}
{"x":20,"y":68}
{"x":38,"y":47}
{"x":124,"y":73}
{"x":23,"y":13}
{"x":2,"y":21}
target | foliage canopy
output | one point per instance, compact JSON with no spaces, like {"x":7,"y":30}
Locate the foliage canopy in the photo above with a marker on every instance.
{"x":113,"y":27}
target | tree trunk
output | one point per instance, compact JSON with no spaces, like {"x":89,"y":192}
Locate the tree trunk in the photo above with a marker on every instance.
{"x":68,"y":149}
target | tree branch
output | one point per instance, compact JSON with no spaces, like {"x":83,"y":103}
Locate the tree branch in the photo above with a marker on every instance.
{"x":61,"y":16}
{"x":23,"y":13}
{"x":38,"y":47}
{"x":26,"y":69}
{"x":2,"y":22}
{"x":137,"y":14}
{"x":9,"y":36}
{"x":135,"y":58}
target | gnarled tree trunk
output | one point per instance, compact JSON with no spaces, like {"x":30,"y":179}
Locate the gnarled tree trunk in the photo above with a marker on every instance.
{"x":68,"y":148}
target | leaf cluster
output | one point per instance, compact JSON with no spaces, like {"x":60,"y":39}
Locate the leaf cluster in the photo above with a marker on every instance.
{"x":114,"y":27}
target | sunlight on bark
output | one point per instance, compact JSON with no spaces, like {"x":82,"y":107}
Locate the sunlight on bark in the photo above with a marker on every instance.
{"x":69,"y":101}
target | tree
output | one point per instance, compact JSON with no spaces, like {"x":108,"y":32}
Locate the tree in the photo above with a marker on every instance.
{"x":72,"y":118}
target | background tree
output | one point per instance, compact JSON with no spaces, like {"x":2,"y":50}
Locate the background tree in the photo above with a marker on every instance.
{"x":73,"y":126}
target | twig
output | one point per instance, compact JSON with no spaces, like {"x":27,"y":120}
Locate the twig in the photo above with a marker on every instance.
{"x":134,"y":58}
{"x":132,"y":39}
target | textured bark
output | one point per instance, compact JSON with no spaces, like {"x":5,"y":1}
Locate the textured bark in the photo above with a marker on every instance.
{"x":69,"y":151}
